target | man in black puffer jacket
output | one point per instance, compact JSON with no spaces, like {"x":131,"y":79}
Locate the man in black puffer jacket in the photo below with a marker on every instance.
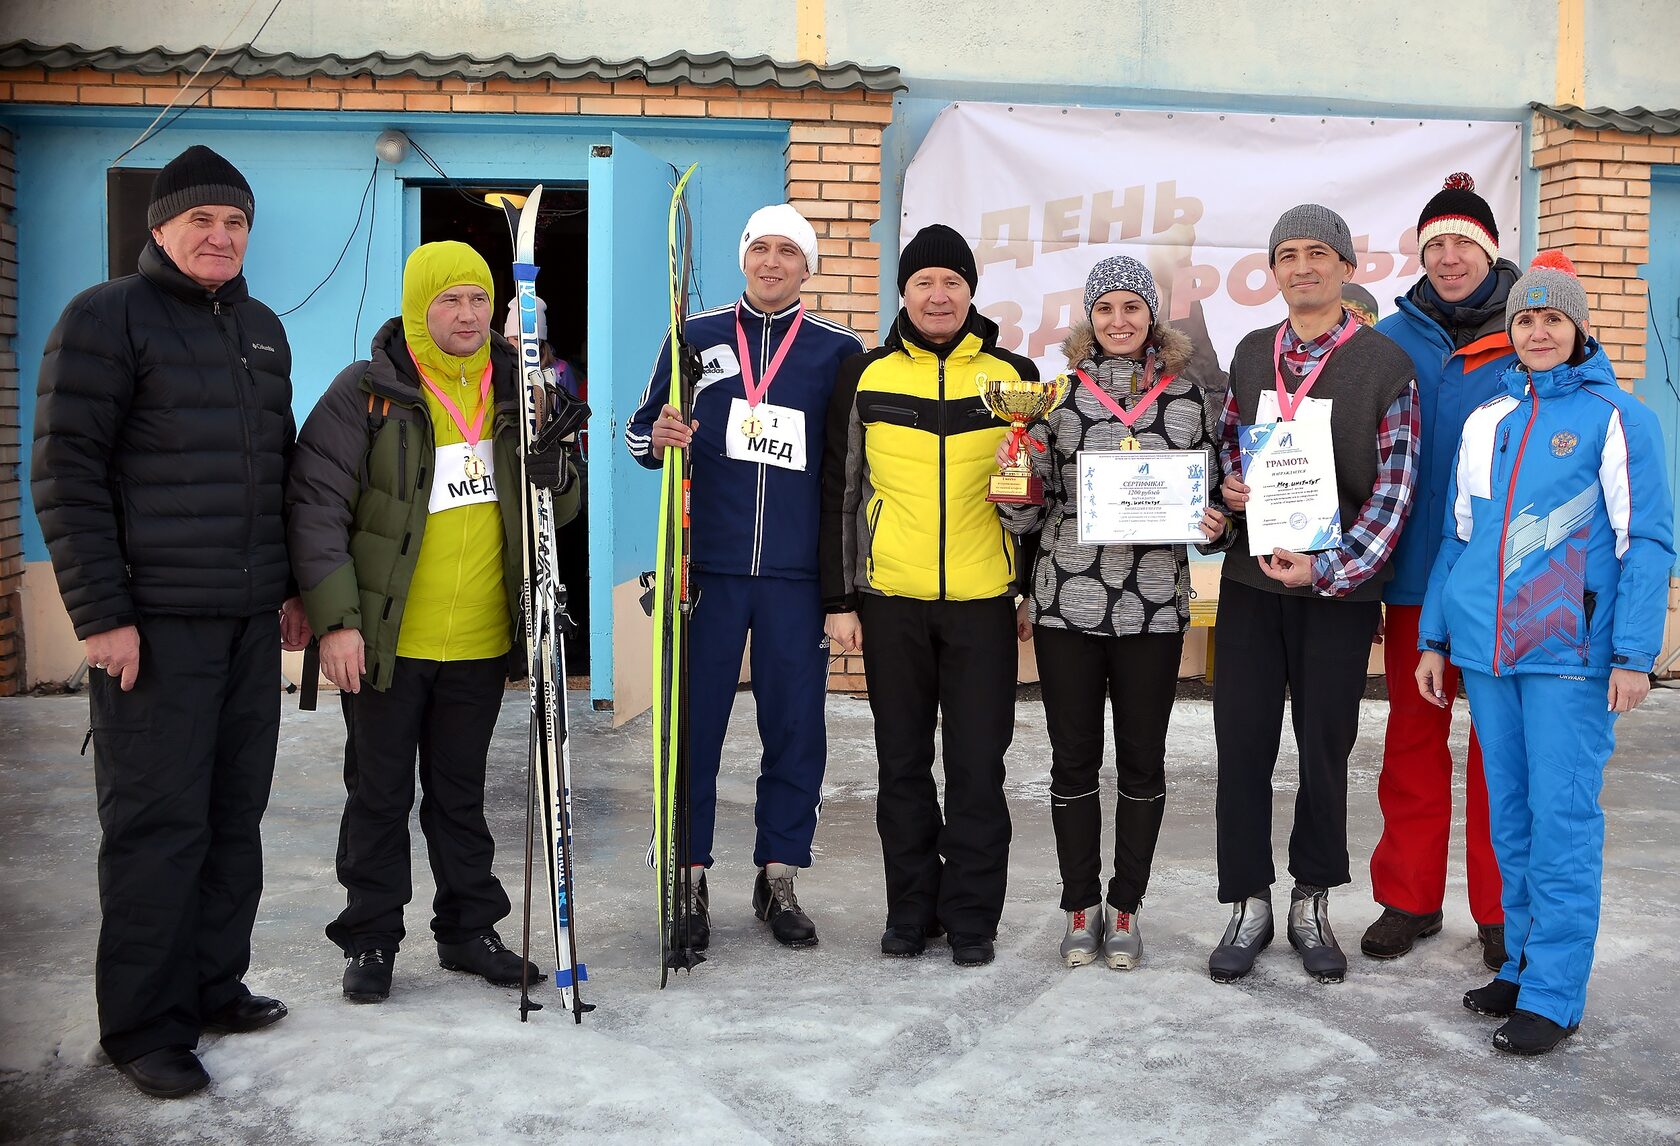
{"x":163,"y":428}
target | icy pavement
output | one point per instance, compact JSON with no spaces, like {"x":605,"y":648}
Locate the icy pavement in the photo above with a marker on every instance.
{"x":835,"y":1043}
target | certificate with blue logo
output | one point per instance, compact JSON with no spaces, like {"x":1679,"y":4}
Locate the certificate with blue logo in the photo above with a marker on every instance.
{"x":1290,"y":470}
{"x":1141,"y":497}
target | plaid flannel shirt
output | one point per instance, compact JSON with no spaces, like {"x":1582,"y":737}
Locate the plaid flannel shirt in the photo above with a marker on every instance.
{"x":1369,"y":541}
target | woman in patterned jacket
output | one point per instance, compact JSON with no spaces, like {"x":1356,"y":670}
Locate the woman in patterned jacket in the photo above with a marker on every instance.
{"x":1108,"y":620}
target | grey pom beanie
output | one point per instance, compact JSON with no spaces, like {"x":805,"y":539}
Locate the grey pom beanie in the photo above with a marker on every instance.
{"x":1550,"y":283}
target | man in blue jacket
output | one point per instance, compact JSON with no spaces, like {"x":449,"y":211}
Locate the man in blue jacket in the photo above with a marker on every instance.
{"x":768,"y":369}
{"x":1452,"y":324}
{"x":1549,"y":593}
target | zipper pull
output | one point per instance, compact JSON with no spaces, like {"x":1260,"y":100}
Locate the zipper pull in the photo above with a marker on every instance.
{"x":1505,"y":440}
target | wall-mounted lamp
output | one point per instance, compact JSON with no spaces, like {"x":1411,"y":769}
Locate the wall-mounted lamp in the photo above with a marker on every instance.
{"x":391,"y":146}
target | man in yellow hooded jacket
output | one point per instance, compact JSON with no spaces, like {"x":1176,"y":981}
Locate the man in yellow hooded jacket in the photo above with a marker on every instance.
{"x":404,"y":531}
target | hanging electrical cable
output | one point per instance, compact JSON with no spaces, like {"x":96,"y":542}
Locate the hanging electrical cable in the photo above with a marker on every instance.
{"x":244,"y":52}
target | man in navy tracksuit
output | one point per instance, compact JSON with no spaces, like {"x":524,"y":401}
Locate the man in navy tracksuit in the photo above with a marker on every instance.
{"x":767,"y":370}
{"x":1549,"y":591}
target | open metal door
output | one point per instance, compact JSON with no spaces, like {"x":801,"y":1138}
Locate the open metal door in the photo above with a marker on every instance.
{"x":629,"y":199}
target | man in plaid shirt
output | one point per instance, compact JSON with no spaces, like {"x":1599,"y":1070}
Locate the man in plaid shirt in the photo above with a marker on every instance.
{"x":1304,"y":621}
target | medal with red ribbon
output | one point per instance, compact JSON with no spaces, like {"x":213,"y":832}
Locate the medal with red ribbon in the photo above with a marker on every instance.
{"x":1129,"y":418}
{"x":1288,"y":403}
{"x":472,"y":431}
{"x":751,"y":427}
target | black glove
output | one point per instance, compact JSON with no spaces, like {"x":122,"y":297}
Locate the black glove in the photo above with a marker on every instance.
{"x":548,"y":466}
{"x":550,"y":469}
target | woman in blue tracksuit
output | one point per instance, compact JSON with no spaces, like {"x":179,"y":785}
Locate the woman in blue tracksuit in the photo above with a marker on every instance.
{"x":1549,"y":592}
{"x":768,"y":368}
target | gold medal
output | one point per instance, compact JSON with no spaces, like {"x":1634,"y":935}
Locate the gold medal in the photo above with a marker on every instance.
{"x":474,"y":466}
{"x":1131,"y":444}
{"x":752,"y":426}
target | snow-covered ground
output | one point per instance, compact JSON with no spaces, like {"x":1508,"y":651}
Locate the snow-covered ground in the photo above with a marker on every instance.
{"x":835,"y":1043}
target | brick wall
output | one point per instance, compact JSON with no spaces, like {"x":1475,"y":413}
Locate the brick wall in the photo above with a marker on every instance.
{"x":11,"y":503}
{"x":833,"y":160}
{"x":1595,"y":206}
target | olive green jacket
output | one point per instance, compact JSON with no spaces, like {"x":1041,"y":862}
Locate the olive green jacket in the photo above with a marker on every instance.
{"x":359,"y":490}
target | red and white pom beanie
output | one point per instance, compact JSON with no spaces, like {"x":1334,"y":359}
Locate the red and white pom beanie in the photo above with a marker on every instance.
{"x":1456,"y":209}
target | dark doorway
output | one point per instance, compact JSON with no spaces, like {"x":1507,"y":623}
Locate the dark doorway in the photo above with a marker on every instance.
{"x":128,"y":190}
{"x":460,"y":213}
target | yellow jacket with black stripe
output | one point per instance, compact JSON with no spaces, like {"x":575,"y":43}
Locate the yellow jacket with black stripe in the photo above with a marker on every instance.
{"x":909,"y":448}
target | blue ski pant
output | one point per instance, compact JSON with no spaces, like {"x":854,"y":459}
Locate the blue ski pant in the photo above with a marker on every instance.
{"x":790,"y":685}
{"x":1545,"y":742}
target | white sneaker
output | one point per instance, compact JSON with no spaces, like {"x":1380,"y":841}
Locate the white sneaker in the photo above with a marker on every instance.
{"x":1123,"y":947}
{"x":1084,"y":935}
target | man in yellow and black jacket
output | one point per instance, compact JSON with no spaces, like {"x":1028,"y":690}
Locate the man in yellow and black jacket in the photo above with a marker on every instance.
{"x":911,"y":551}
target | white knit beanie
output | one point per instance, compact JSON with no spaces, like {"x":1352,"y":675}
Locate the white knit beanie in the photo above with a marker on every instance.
{"x":781,"y":219}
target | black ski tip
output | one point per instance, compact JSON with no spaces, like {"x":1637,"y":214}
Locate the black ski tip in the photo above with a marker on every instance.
{"x":684,"y":959}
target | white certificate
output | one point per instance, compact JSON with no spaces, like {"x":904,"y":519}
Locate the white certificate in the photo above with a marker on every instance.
{"x":1290,"y":471}
{"x":1141,"y":497}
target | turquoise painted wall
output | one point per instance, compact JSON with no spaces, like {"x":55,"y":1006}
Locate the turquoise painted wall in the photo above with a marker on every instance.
{"x":308,"y":173}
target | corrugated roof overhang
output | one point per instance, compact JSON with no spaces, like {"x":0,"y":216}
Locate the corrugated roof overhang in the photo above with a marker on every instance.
{"x":1633,"y":121}
{"x":701,"y":68}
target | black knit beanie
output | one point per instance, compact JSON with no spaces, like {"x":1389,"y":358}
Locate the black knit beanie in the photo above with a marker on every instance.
{"x":937,"y":245}
{"x":198,"y":177}
{"x":1456,"y":209}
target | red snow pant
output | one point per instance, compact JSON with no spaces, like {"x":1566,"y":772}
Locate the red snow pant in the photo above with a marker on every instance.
{"x":1409,"y":866}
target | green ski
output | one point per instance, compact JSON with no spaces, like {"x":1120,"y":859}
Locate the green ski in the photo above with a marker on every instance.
{"x":674,"y":601}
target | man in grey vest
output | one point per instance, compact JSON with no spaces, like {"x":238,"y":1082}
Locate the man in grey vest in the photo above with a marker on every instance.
{"x":1304,"y":620}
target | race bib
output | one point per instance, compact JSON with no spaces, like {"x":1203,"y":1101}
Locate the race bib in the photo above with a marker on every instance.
{"x":465,"y":475}
{"x":1311,"y":409}
{"x":766,"y":434}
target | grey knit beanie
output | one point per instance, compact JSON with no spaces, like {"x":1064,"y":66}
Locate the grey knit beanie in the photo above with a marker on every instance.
{"x":198,"y":177}
{"x":1121,"y":272}
{"x":1310,"y":221}
{"x":1550,"y":282}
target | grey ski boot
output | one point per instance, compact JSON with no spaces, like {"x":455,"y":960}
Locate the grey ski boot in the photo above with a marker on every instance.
{"x":1084,"y":933}
{"x":1310,"y":934}
{"x":1123,"y":945}
{"x":1248,"y":934}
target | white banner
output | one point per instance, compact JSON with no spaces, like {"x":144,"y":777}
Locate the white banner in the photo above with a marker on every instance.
{"x":1043,"y":192}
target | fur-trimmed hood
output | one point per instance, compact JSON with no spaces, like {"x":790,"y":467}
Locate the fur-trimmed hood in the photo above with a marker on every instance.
{"x":1171,"y":344}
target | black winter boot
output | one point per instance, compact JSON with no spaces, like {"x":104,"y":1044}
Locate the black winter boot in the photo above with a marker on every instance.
{"x":169,"y":1072}
{"x":903,"y":941}
{"x":484,"y":955}
{"x":367,"y":977}
{"x":1395,"y":931}
{"x":1527,"y":1033}
{"x":244,"y":1014}
{"x":971,"y":949}
{"x":1496,"y":1000}
{"x":774,"y":902}
{"x":1492,"y":936}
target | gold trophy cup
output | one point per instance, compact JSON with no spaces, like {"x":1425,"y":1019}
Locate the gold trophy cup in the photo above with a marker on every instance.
{"x":1018,"y":402}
